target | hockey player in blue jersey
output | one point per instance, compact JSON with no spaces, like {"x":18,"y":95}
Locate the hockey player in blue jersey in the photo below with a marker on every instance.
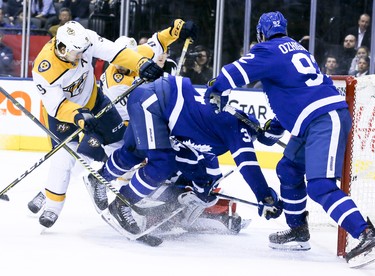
{"x":172,"y":109}
{"x":307,"y":104}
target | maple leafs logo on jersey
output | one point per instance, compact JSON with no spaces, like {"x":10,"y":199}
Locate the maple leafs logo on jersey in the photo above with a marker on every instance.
{"x":76,"y":87}
{"x":118,"y":77}
{"x":44,"y":66}
{"x":201,"y":148}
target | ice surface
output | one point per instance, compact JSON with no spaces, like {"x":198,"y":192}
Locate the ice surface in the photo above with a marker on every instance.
{"x":80,"y":243}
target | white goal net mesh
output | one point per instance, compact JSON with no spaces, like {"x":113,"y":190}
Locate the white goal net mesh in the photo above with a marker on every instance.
{"x":360,"y":161}
{"x":362,"y":149}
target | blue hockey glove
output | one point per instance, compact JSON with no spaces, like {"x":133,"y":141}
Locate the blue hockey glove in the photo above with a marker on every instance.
{"x":203,"y":191}
{"x":271,"y":206}
{"x":149,"y":70}
{"x":271,"y":133}
{"x":85,"y":120}
{"x":189,"y":29}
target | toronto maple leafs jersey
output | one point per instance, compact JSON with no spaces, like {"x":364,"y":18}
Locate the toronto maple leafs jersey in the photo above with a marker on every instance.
{"x":58,"y":80}
{"x":196,"y":125}
{"x":296,"y":89}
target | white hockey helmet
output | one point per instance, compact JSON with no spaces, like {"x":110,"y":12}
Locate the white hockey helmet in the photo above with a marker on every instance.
{"x":126,"y":42}
{"x":74,"y":39}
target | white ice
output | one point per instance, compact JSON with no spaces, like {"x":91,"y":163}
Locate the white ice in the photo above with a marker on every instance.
{"x":81,"y":243}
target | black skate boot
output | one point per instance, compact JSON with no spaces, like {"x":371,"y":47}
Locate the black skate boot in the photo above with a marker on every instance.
{"x":364,"y":252}
{"x":48,"y":218}
{"x":295,"y":239}
{"x":122,"y":213}
{"x":37,"y":203}
{"x":97,"y":192}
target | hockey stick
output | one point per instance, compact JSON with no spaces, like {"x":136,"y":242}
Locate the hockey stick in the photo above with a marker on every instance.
{"x":246,"y":120}
{"x":55,"y":138}
{"x":235,"y":199}
{"x":68,"y":139}
{"x":227,"y":196}
{"x":188,"y":41}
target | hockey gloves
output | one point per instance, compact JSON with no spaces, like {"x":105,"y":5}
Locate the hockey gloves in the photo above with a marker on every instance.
{"x":149,"y":70}
{"x":271,"y":206}
{"x":189,"y":29}
{"x":203,"y":191}
{"x":271,"y":133}
{"x":181,"y":29}
{"x":218,"y":100}
{"x":85,"y":120}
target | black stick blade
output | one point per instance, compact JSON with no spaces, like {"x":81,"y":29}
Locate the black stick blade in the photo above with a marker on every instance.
{"x":4,"y":197}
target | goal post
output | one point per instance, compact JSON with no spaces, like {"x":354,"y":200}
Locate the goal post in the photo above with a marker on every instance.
{"x":358,"y":179}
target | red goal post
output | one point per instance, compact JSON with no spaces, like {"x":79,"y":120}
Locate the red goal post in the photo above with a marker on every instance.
{"x":358,"y":178}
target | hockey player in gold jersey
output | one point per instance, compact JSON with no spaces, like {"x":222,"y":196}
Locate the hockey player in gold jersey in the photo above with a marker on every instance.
{"x":64,"y":76}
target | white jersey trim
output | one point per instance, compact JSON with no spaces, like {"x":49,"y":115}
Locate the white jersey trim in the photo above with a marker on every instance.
{"x":312,"y":107}
{"x":178,"y":105}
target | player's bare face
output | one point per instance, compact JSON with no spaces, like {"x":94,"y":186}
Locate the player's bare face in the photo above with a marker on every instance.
{"x":73,"y":56}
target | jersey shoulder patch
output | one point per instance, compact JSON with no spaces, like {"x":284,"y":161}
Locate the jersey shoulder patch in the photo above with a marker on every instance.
{"x":113,"y":77}
{"x":48,"y":65}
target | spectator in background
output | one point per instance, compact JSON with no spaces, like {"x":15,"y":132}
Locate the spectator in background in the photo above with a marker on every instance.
{"x":45,"y":11}
{"x":80,"y":9}
{"x":330,"y":65}
{"x":13,"y":8}
{"x":142,"y":40}
{"x":3,"y":23}
{"x":346,"y":55}
{"x":363,"y":67}
{"x":65,"y":15}
{"x":196,"y":66}
{"x":362,"y":32}
{"x":362,"y":51}
{"x":18,"y":21}
{"x":6,"y":59}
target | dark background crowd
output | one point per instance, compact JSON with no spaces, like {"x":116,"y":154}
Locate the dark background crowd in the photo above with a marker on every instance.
{"x":342,"y":40}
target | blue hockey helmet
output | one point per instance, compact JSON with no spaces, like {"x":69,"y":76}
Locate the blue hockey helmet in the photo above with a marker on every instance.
{"x":271,"y":24}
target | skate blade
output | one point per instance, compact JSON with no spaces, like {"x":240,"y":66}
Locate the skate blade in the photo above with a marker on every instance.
{"x":108,"y":218}
{"x":362,"y":259}
{"x":245,"y":223}
{"x":291,"y":246}
{"x":43,"y":230}
{"x":141,"y":237}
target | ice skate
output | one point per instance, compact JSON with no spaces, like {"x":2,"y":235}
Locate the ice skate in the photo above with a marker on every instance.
{"x":37,"y":203}
{"x":48,"y":218}
{"x":364,"y":252}
{"x":123,"y":214}
{"x":295,"y":239}
{"x":97,"y":191}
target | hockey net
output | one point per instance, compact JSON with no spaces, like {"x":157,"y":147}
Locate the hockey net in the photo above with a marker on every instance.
{"x":359,"y":167}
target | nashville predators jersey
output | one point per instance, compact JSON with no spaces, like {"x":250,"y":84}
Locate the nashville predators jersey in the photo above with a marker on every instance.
{"x":64,"y":87}
{"x":114,"y":82}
